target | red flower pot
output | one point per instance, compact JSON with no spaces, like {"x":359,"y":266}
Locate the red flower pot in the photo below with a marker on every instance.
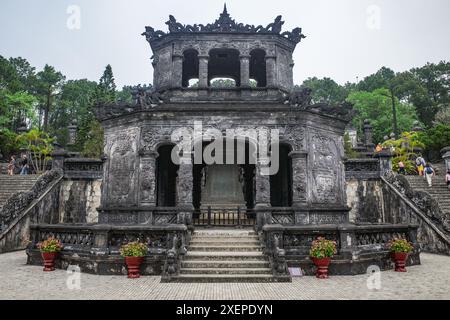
{"x":400,"y":260}
{"x":322,"y":267}
{"x":133,"y":264}
{"x":49,"y":260}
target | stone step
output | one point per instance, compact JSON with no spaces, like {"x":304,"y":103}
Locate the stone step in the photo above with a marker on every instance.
{"x":224,"y":233}
{"x":224,"y":264}
{"x":224,"y":256}
{"x":225,"y":278}
{"x":227,"y":248}
{"x":231,"y":242}
{"x":221,"y":238}
{"x":229,"y":271}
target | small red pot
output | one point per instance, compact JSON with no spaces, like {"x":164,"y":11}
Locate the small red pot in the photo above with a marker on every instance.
{"x":49,"y":260}
{"x":322,"y":267}
{"x":400,"y":261}
{"x":133,"y":264}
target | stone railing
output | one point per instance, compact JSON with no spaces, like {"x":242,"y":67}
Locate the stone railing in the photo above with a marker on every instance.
{"x":21,"y":201}
{"x":83,"y":168}
{"x":134,"y":215}
{"x":419,"y":207}
{"x":362,"y":169}
{"x":357,"y":245}
{"x":101,"y":243}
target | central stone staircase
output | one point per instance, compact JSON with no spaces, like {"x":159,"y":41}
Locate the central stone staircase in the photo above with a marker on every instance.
{"x":10,"y":185}
{"x":225,"y":255}
{"x":438,"y":191}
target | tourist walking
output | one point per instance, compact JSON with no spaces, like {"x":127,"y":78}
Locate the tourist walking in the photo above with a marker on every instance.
{"x":429,"y":173}
{"x":420,"y":163}
{"x":25,"y":166}
{"x":12,"y":165}
{"x":447,"y":179}
{"x":401,"y":168}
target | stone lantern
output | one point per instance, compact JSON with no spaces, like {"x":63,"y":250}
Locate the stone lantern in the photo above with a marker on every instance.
{"x":73,"y":128}
{"x":446,"y":156}
{"x":22,"y":128}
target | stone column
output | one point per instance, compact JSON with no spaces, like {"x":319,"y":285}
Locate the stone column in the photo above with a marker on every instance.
{"x":368,"y":135}
{"x":147,"y":179}
{"x":299,"y":178}
{"x":177,"y":71}
{"x":203,"y":71}
{"x":184,"y":190}
{"x":262,"y":193}
{"x":299,"y":186}
{"x":58,"y":156}
{"x":270,"y":71}
{"x":245,"y":70}
{"x":446,"y":156}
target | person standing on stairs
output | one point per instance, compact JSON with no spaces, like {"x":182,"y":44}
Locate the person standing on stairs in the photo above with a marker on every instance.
{"x":447,"y":179}
{"x":429,"y":173}
{"x":420,"y":162}
{"x":25,"y":165}
{"x":12,"y":165}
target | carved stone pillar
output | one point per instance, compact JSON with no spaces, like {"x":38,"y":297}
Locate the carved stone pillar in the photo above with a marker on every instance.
{"x":203,"y":71}
{"x":368,"y":135}
{"x":177,"y":72}
{"x":147,"y":179}
{"x":446,"y":156}
{"x":245,"y":70}
{"x":184,"y":190}
{"x":262,"y":192}
{"x":299,"y":178}
{"x":270,"y":71}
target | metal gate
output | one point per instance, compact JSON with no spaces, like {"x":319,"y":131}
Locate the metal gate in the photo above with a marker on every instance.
{"x":224,"y":217}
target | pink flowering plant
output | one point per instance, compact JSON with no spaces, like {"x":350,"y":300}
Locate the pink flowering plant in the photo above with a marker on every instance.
{"x":399,"y":245}
{"x":323,"y":248}
{"x":134,"y":249}
{"x":50,"y":245}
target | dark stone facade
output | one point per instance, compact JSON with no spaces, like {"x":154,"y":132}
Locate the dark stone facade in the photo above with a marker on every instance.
{"x":130,"y":206}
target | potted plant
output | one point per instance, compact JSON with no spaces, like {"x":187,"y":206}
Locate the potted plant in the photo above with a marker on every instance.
{"x":134,"y":253}
{"x":400,"y":248}
{"x":321,"y":252}
{"x":49,"y":250}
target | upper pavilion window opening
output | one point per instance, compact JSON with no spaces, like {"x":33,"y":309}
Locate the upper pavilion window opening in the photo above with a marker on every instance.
{"x":222,"y":83}
{"x":224,"y":63}
{"x":190,"y":67}
{"x":258,"y":67}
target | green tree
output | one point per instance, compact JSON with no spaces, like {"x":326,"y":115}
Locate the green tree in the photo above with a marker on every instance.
{"x":376,"y":106}
{"x":404,"y":150}
{"x":106,"y":89}
{"x":39,"y":148}
{"x":326,"y":90}
{"x":435,"y":138}
{"x":378,"y":80}
{"x":49,"y":82}
{"x":93,"y":147}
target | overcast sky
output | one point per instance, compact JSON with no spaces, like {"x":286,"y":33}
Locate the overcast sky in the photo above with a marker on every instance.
{"x":346,"y":39}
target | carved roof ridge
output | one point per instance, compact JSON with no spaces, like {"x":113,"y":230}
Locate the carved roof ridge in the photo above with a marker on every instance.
{"x":224,"y":24}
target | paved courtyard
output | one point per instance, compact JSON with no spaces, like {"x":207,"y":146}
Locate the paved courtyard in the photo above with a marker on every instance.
{"x":431,"y":280}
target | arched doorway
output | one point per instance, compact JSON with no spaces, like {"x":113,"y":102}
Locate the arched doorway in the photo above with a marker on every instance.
{"x":281,"y":182}
{"x":166,"y":177}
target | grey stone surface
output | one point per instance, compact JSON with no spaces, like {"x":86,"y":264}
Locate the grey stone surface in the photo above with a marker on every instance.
{"x":428,"y":281}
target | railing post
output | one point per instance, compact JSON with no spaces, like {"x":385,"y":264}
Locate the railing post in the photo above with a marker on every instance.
{"x":209,"y":215}
{"x":239,"y":215}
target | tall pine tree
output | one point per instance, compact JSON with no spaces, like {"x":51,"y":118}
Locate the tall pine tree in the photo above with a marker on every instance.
{"x":106,"y":89}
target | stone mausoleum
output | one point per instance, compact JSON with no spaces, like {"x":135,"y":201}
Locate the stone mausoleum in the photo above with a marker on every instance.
{"x":174,"y":205}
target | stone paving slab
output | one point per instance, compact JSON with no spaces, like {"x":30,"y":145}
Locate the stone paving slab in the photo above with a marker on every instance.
{"x":431,"y":280}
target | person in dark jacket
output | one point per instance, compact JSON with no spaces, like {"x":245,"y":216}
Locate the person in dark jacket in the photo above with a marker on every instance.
{"x":25,"y":165}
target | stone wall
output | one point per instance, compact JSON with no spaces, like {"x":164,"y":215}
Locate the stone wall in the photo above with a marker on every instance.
{"x":365,"y":198}
{"x":79,"y":200}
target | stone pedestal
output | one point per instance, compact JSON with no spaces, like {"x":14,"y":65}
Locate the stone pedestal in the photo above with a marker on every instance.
{"x":385,"y":157}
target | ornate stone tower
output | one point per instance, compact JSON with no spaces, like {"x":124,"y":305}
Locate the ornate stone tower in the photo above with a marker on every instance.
{"x":141,"y":179}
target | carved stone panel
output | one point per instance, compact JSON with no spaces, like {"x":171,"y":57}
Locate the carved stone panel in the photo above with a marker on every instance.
{"x":299,"y":179}
{"x":121,"y":179}
{"x":147,"y":181}
{"x":327,"y":169}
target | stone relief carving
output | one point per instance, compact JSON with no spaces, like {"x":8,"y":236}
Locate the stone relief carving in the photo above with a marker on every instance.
{"x":296,"y":136}
{"x":148,"y":180}
{"x":122,"y":166}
